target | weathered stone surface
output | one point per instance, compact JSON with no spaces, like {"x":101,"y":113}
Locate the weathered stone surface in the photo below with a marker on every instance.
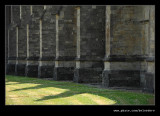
{"x":87,"y":75}
{"x":10,"y":69}
{"x":46,"y":71}
{"x":63,"y":73}
{"x":149,"y":83}
{"x":21,"y":69}
{"x":112,"y":45}
{"x":32,"y":71}
{"x":126,"y":20}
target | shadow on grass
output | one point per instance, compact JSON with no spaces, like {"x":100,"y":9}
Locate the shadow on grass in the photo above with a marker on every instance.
{"x":72,"y":89}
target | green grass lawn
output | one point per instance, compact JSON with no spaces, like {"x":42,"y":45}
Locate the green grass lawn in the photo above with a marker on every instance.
{"x":33,"y":91}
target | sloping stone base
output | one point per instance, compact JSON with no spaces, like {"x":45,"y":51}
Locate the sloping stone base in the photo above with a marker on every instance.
{"x":63,"y":73}
{"x":45,"y":71}
{"x":10,"y":69}
{"x":32,"y":71}
{"x":87,"y":75}
{"x":121,"y":78}
{"x":149,"y":83}
{"x":20,"y":69}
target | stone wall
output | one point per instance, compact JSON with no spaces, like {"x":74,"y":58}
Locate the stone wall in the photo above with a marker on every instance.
{"x":110,"y":45}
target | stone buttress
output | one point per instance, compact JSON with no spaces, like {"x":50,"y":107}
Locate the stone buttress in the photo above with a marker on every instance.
{"x":65,"y":43}
{"x":108,"y":45}
{"x":90,"y":44}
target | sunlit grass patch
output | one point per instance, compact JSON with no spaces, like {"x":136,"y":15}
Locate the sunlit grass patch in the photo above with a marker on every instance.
{"x":34,"y":91}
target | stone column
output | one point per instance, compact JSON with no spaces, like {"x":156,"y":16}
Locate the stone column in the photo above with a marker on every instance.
{"x":11,"y":15}
{"x":57,"y":41}
{"x":16,"y":51}
{"x":8,"y":46}
{"x":7,"y":67}
{"x":76,"y":71}
{"x":90,"y":44}
{"x":31,"y":11}
{"x":144,"y":45}
{"x":27,"y":62}
{"x":32,"y":70}
{"x":20,"y":14}
{"x":55,"y":75}
{"x":11,"y":47}
{"x":106,"y":71}
{"x":40,"y":58}
{"x":65,"y":44}
{"x":150,"y":74}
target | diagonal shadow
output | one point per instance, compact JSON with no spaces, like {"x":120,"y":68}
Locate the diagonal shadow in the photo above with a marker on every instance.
{"x":71,"y":90}
{"x":61,"y":95}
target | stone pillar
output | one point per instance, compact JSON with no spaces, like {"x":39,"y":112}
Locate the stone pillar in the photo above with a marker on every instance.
{"x":16,"y":51}
{"x":31,"y":11}
{"x":55,"y":75}
{"x":8,"y":46}
{"x":11,"y":14}
{"x":106,"y":71}
{"x":144,"y":45}
{"x":65,"y":44}
{"x":149,"y":81}
{"x":35,"y":50}
{"x":76,"y":70}
{"x":20,"y":14}
{"x":90,"y":44}
{"x":12,"y":42}
{"x":22,"y":40}
{"x":40,"y":57}
{"x":27,"y":62}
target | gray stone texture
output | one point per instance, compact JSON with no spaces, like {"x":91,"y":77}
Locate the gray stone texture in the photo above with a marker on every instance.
{"x":132,"y":49}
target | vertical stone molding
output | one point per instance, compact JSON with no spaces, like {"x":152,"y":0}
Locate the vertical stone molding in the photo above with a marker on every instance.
{"x":57,"y":50}
{"x":149,"y":81}
{"x":78,"y":37}
{"x":16,"y":51}
{"x":57,"y":39}
{"x":27,"y":40}
{"x":12,"y":40}
{"x":65,"y":43}
{"x":106,"y":71}
{"x":11,"y":14}
{"x":20,"y":15}
{"x":40,"y":57}
{"x":8,"y":45}
{"x":35,"y":36}
{"x":45,"y":7}
{"x":27,"y":63}
{"x":31,"y":11}
{"x":78,"y":32}
{"x":76,"y":70}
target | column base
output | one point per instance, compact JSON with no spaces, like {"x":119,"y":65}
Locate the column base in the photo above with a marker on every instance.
{"x":149,"y":83}
{"x":32,"y":71}
{"x":63,"y":73}
{"x":45,"y":71}
{"x":87,"y":75}
{"x":10,"y":69}
{"x":105,"y":78}
{"x":121,"y":78}
{"x":20,"y":69}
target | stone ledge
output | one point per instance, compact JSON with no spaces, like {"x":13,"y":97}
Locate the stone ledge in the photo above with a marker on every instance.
{"x":123,"y":58}
{"x":47,"y":59}
{"x":65,"y":58}
{"x":33,"y":58}
{"x":119,"y":78}
{"x":84,"y":58}
{"x":150,"y":59}
{"x":12,"y":58}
